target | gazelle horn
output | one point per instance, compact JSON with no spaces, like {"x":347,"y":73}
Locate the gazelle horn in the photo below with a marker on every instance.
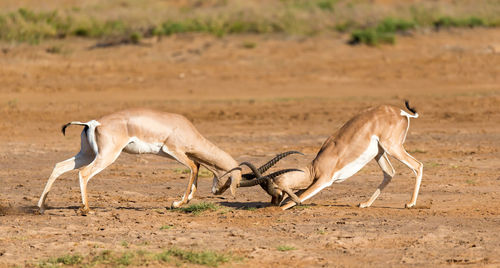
{"x":266,"y":166}
{"x":271,"y":176}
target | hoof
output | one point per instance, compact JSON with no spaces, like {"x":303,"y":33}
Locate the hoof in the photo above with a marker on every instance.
{"x":84,"y":211}
{"x":363,"y":205}
{"x":39,"y":211}
{"x":409,"y":205}
{"x":176,"y":204}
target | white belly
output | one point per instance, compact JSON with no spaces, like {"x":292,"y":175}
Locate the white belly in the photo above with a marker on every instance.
{"x":137,"y":146}
{"x":353,"y":167}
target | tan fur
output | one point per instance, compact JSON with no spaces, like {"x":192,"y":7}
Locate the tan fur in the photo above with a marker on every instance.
{"x":347,"y":145}
{"x":145,"y":131}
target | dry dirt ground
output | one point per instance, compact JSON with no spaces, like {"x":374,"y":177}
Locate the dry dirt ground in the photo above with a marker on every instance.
{"x":286,"y":93}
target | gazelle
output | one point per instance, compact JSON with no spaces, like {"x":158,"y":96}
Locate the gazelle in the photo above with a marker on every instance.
{"x":374,"y":133}
{"x":142,"y":131}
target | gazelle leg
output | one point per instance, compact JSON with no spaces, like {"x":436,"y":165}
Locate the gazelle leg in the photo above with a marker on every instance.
{"x":105,"y":158}
{"x":194,"y":187}
{"x":317,"y":186}
{"x":292,"y":195}
{"x":60,"y":168}
{"x":193,"y":177}
{"x":388,"y":171}
{"x":400,"y":154}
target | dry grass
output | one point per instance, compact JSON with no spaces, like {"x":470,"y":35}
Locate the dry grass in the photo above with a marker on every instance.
{"x":130,"y":20}
{"x":173,"y":256}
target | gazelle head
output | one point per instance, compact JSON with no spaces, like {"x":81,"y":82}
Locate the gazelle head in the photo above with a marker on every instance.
{"x":223,"y":181}
{"x":232,"y":178}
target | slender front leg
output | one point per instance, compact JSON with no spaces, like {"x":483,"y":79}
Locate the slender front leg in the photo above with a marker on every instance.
{"x":317,"y":186}
{"x":194,"y":187}
{"x":193,"y":177}
{"x":292,"y":195}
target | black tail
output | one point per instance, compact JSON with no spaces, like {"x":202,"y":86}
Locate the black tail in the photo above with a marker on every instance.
{"x":407,"y":104}
{"x":63,"y":129}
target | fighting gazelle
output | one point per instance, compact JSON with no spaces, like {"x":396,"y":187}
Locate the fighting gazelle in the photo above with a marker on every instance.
{"x":374,"y":133}
{"x":142,"y":131}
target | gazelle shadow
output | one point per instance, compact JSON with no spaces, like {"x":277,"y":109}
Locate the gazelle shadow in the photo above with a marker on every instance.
{"x":245,"y":204}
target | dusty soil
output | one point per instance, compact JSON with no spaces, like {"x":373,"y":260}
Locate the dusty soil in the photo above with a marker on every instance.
{"x":284,"y":94}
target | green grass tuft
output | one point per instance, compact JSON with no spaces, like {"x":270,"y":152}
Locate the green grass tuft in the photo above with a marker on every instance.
{"x":208,"y":258}
{"x":383,"y":33}
{"x":391,"y":25}
{"x":448,"y":22}
{"x":470,"y":182}
{"x":63,"y":260}
{"x":249,"y":45}
{"x":196,"y":209}
{"x":135,"y":37}
{"x":166,"y":227}
{"x":108,"y":258}
{"x":285,"y":248}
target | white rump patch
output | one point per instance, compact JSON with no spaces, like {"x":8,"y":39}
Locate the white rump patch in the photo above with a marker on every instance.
{"x":92,"y":124}
{"x":403,"y":113}
{"x":137,"y":146}
{"x":353,"y":167}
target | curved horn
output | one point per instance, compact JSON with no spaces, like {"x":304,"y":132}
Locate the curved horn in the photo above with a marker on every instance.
{"x":255,"y":170}
{"x":269,"y":164}
{"x":229,"y":171}
{"x":271,"y":176}
{"x":275,"y":160}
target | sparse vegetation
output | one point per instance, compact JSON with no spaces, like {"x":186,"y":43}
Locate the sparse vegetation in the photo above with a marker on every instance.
{"x":301,"y":207}
{"x":208,"y":258}
{"x":196,"y":209}
{"x":140,"y":258}
{"x":202,"y":172}
{"x":249,"y":45}
{"x":433,"y":164}
{"x":384,"y":32}
{"x":166,"y":227}
{"x":54,"y":50}
{"x":63,"y":260}
{"x":368,"y":23}
{"x":470,"y":182}
{"x":448,"y":22}
{"x":182,"y":170}
{"x":285,"y":248}
{"x":12,"y":103}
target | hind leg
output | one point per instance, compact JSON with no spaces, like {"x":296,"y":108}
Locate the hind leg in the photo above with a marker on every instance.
{"x":106,"y":156}
{"x":388,"y":171}
{"x":76,"y":162}
{"x":400,"y":154}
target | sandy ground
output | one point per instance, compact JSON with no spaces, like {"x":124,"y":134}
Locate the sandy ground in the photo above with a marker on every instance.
{"x":284,"y":94}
